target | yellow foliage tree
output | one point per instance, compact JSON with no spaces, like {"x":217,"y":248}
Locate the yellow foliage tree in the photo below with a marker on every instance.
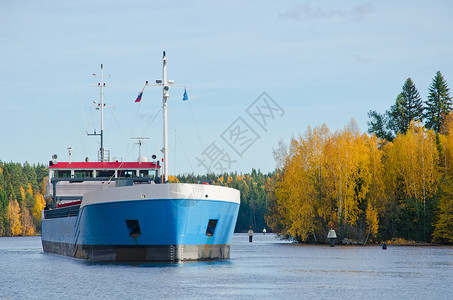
{"x":172,"y":179}
{"x":27,"y":222}
{"x":413,"y":157}
{"x":30,"y":189}
{"x":376,"y":170}
{"x":40,"y":203}
{"x":446,"y":142}
{"x":346,"y":168}
{"x":13,"y":218}
{"x":294,"y":193}
{"x":443,"y":226}
{"x":372,"y":220}
{"x":22,"y":192}
{"x":43,"y":186}
{"x":376,"y":199}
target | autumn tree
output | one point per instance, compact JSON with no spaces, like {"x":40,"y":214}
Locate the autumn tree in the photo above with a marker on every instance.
{"x":376,"y":198}
{"x":36,"y":211}
{"x":13,"y":218}
{"x":412,"y":178}
{"x":443,"y":226}
{"x":295,"y":192}
{"x":28,"y":227}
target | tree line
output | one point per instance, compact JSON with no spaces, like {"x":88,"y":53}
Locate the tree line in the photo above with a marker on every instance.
{"x":394,"y":183}
{"x":22,"y":190}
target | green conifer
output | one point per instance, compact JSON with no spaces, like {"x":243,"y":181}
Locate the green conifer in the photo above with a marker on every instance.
{"x":439,"y":103}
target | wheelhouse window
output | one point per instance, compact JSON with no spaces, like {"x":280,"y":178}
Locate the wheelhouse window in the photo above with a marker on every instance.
{"x":82,"y":173}
{"x":105,"y":173}
{"x":127,"y":173}
{"x":146,"y":173}
{"x":62,"y":174}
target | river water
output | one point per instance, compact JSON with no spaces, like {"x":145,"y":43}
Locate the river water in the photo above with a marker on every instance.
{"x":266,"y":268}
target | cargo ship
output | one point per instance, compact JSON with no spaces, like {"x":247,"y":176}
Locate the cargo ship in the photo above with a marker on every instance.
{"x":106,"y":211}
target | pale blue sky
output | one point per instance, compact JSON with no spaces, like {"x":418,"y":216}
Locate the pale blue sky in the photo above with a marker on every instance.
{"x":321,"y":61}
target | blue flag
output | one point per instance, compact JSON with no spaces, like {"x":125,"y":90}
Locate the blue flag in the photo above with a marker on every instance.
{"x":185,"y":98}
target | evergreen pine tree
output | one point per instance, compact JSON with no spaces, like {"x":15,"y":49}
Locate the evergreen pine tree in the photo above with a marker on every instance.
{"x":395,"y":116}
{"x":411,"y":105}
{"x":379,"y":125}
{"x":439,"y":103}
{"x":407,"y":107}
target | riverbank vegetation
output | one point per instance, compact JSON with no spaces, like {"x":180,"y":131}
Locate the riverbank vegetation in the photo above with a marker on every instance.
{"x":22,"y":190}
{"x":394,"y":183}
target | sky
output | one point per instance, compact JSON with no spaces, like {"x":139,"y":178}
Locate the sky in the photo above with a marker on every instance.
{"x":255,"y":72}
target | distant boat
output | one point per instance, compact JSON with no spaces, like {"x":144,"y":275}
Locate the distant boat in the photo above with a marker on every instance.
{"x":127,"y":211}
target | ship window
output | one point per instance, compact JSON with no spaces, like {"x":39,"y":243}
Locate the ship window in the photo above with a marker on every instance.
{"x":62,"y":174}
{"x":126,"y":173}
{"x":145,"y":173}
{"x":82,"y":173}
{"x":105,"y":173}
{"x":133,"y":227}
{"x":211,"y":227}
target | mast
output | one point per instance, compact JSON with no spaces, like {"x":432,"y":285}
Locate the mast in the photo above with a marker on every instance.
{"x":165,"y":87}
{"x":101,"y":106}
{"x":102,"y":113}
{"x":165,"y":96}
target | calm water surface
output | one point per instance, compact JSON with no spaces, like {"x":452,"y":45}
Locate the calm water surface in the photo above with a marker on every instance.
{"x":266,"y":268}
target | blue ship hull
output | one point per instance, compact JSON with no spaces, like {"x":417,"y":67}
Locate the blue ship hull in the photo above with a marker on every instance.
{"x":144,"y":230}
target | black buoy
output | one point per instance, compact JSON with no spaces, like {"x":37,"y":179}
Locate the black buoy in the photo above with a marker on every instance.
{"x":384,"y":246}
